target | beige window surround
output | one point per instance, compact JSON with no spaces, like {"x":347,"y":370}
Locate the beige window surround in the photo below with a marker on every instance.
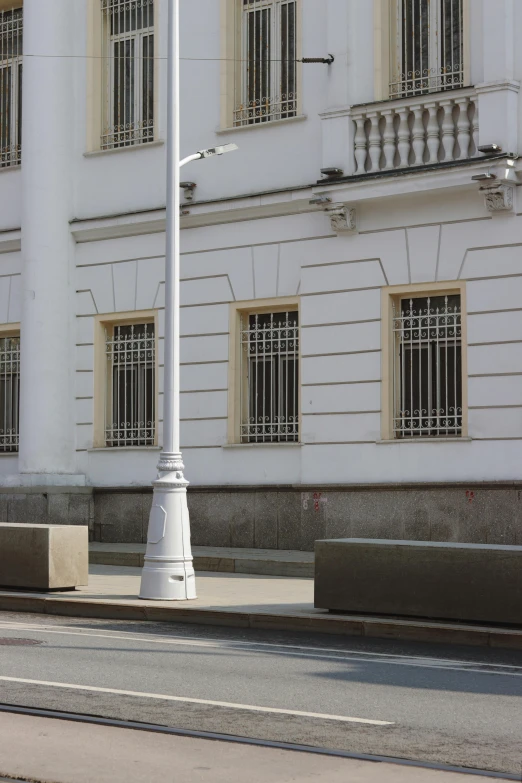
{"x":10,"y":5}
{"x":96,"y":87}
{"x":385,"y":55}
{"x":104,"y":324}
{"x":232,"y":66}
{"x":394,"y":294}
{"x":237,"y":310}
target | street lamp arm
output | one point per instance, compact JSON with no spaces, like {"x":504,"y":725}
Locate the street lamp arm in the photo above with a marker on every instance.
{"x":208,"y":153}
{"x":190,"y":158}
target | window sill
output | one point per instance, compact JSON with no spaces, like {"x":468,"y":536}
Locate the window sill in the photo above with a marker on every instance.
{"x":9,"y":454}
{"x":396,"y":441}
{"x":116,"y":449}
{"x":259,"y":125}
{"x":132,"y":147}
{"x":261,"y":445}
{"x":10,"y":168}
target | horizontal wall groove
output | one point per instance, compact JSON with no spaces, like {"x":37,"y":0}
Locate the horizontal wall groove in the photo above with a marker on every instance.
{"x":209,"y":334}
{"x":491,"y":407}
{"x":495,"y":312}
{"x":205,"y":304}
{"x":341,"y":323}
{"x":495,"y":375}
{"x":337,"y":383}
{"x":491,"y":277}
{"x":341,"y":413}
{"x":203,"y":391}
{"x":195,"y":364}
{"x":341,"y":263}
{"x":497,"y":342}
{"x":339,"y":353}
{"x":207,"y":418}
{"x":344,"y":291}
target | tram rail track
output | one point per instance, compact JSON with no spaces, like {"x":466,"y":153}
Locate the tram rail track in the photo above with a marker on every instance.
{"x":262,"y":743}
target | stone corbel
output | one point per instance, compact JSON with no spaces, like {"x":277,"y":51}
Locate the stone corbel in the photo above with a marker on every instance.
{"x":343,"y":218}
{"x":499,"y":197}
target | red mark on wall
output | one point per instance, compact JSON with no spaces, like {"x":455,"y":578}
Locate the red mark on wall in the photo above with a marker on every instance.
{"x":470,"y":496}
{"x":317,"y":498}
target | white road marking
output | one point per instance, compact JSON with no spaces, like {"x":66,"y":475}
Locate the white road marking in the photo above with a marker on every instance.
{"x":298,"y":651}
{"x":207,"y":702}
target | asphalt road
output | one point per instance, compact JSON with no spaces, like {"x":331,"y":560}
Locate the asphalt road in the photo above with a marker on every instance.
{"x":458,"y":706}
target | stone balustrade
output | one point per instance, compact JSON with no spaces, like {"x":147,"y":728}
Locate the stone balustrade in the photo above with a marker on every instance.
{"x":409,"y":132}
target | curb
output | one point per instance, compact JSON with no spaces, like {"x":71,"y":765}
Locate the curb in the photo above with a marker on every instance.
{"x":361,"y":626}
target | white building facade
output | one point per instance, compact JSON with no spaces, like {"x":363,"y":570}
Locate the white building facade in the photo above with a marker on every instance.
{"x":351,"y":277}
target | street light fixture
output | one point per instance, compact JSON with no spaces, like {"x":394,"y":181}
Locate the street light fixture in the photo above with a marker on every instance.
{"x":168,"y":572}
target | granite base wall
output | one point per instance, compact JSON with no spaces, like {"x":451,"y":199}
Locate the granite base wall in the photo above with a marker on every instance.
{"x":294,"y":518}
{"x":290,"y":517}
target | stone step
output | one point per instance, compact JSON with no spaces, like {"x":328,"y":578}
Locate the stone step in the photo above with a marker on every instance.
{"x":264,"y":562}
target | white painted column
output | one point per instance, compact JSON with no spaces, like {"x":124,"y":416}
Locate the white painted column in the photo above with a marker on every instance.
{"x":47,"y":335}
{"x":498,"y":95}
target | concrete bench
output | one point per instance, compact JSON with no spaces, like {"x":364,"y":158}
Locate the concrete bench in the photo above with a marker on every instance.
{"x":44,"y":557}
{"x":467,"y":582}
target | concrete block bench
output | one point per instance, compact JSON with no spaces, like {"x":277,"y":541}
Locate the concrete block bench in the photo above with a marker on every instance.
{"x":467,"y":582}
{"x":43,"y":557}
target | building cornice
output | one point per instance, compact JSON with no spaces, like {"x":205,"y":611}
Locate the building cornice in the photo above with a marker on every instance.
{"x":456,"y":176}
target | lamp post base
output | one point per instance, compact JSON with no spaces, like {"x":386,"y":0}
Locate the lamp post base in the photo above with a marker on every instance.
{"x":168,"y":573}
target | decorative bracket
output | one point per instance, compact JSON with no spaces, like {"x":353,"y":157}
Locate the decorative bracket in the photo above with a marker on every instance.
{"x":499,"y":197}
{"x":342,"y":218}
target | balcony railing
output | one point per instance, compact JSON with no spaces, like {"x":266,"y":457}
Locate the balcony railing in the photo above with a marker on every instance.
{"x":409,"y":132}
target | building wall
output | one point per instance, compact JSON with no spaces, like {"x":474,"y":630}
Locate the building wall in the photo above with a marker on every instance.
{"x":252,"y":234}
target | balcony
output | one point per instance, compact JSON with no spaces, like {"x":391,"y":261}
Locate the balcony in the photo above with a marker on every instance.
{"x":416,"y":131}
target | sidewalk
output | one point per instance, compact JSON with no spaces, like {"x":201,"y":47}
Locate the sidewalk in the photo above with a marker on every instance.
{"x":67,"y":752}
{"x":241,"y":601}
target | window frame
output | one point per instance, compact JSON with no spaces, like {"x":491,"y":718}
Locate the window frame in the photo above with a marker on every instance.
{"x":233,"y":83}
{"x":386,"y":49}
{"x":104,"y":324}
{"x":99,"y":82}
{"x":391,"y":295}
{"x":14,"y":64}
{"x":236,"y":388}
{"x":12,"y":330}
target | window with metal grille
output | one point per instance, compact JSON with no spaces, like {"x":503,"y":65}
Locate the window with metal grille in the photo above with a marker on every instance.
{"x":128,"y":56}
{"x":9,"y":393}
{"x":11,"y":28}
{"x":427,"y":367}
{"x":267,"y":85}
{"x":269,"y":377}
{"x":130,"y":411}
{"x":429,"y":47}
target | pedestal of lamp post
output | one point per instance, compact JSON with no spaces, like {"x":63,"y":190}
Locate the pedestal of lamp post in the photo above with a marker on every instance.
{"x":168,"y":572}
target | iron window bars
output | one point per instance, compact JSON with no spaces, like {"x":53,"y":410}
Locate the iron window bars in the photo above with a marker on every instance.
{"x":429,"y":47}
{"x":269,"y":371}
{"x":128,"y":57}
{"x":9,"y":393}
{"x":427,"y":367}
{"x":268,"y":78}
{"x":130,"y":411}
{"x":11,"y":30}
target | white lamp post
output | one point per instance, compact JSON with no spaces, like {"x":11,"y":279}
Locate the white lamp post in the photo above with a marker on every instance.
{"x":168,"y":573}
